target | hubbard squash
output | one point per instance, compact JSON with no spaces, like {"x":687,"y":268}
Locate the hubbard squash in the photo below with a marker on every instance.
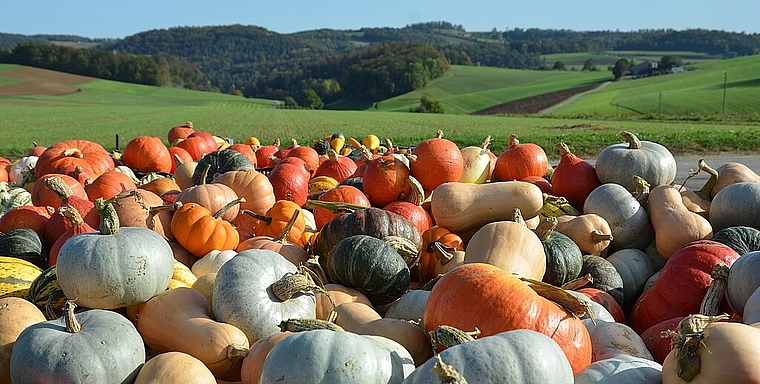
{"x":461,"y":207}
{"x":220,"y":346}
{"x":674,"y":225}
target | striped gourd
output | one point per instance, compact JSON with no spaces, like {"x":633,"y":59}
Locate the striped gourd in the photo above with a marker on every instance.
{"x":45,"y":287}
{"x":556,"y":206}
{"x":13,"y":196}
{"x":16,"y":276}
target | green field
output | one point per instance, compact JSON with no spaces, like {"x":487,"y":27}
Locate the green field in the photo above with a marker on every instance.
{"x":697,"y":91}
{"x":105,"y":108}
{"x":466,"y":89}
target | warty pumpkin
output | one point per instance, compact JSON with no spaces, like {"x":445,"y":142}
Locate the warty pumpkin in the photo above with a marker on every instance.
{"x":220,"y":346}
{"x":493,"y":300}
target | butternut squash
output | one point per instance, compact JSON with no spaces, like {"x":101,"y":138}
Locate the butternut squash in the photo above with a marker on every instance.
{"x":462,"y":207}
{"x":362,"y":319}
{"x":698,"y":201}
{"x":590,"y":232}
{"x":510,"y":246}
{"x":174,"y":367}
{"x":180,"y":320}
{"x":339,"y":294}
{"x":674,"y":225}
{"x":732,"y":173}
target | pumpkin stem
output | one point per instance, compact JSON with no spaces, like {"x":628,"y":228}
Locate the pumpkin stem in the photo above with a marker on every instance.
{"x":332,"y":155}
{"x":716,"y":290}
{"x":227,"y":207}
{"x":512,"y":141}
{"x":109,"y":220}
{"x":314,"y":269}
{"x":59,"y":187}
{"x":545,"y":228}
{"x":366,"y":154}
{"x":72,"y":152}
{"x":72,"y":325}
{"x":281,"y":238}
{"x":567,"y":300}
{"x":578,"y":283}
{"x":443,"y":252}
{"x":177,"y":160}
{"x":686,"y":341}
{"x":447,"y":336}
{"x":274,"y":159}
{"x":335,"y":206}
{"x":189,"y":124}
{"x":598,"y":237}
{"x":439,"y":134}
{"x":292,"y":283}
{"x":642,"y":189}
{"x":704,"y":192}
{"x":416,"y":192}
{"x":255,"y":215}
{"x":236,"y":352}
{"x":72,"y":215}
{"x":517,"y":217}
{"x":563,"y":149}
{"x":168,"y":207}
{"x":302,"y":325}
{"x":633,"y":141}
{"x":447,"y":374}
{"x":389,"y":145}
{"x":276,"y":142}
{"x":486,"y":143}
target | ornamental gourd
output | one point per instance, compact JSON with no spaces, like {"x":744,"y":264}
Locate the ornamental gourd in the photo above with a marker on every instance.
{"x":13,"y":196}
{"x":102,"y":346}
{"x":651,"y":161}
{"x":114,"y":267}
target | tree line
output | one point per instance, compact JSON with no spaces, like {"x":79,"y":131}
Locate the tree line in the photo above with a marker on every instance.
{"x":158,"y":69}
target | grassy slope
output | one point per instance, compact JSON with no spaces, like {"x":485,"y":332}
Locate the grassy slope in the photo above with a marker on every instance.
{"x":467,"y":89}
{"x":693,"y":92}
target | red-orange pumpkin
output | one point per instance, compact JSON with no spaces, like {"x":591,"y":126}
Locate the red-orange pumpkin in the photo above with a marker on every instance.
{"x":343,"y":194}
{"x":493,"y":300}
{"x":26,"y":216}
{"x":44,"y":196}
{"x":147,"y":154}
{"x":385,"y":180}
{"x":196,"y":146}
{"x":183,"y":155}
{"x":438,"y":161}
{"x":573,"y":178}
{"x":180,"y":132}
{"x":338,"y":167}
{"x":290,"y":182}
{"x":90,"y":155}
{"x":109,"y":185}
{"x":520,"y":160}
{"x":415,"y":214}
{"x":263,"y":154}
{"x":308,"y":155}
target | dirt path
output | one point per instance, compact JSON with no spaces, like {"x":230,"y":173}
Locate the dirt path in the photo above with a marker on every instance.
{"x":572,"y":98}
{"x":41,"y":82}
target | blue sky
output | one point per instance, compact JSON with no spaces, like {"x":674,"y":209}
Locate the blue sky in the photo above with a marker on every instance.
{"x":116,"y":19}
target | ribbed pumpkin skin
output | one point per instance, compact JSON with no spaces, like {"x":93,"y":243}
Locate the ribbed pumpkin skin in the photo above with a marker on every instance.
{"x":114,"y":271}
{"x":199,"y":232}
{"x":493,"y":360}
{"x":248,"y":303}
{"x":682,"y":284}
{"x":95,"y":159}
{"x":563,"y":259}
{"x":741,"y":239}
{"x":494,"y":300}
{"x":25,"y":244}
{"x":370,"y":265}
{"x":336,"y":357}
{"x":108,"y":349}
{"x":371,"y":221}
{"x":221,"y":161}
{"x":618,"y":163}
{"x":11,"y":197}
{"x":251,"y":185}
{"x":16,"y":276}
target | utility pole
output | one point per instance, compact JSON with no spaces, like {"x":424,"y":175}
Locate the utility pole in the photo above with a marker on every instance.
{"x":725,"y":87}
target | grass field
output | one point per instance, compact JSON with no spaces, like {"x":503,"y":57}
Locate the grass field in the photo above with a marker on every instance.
{"x":465,"y":89}
{"x":104,"y":109}
{"x":699,"y":91}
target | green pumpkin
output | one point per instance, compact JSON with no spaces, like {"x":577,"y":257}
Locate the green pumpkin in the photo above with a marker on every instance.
{"x":322,"y":147}
{"x":221,"y":161}
{"x":45,"y":291}
{"x":605,"y":276}
{"x":114,"y":267}
{"x":107,"y":349}
{"x":25,"y":244}
{"x":370,"y":265}
{"x":517,"y":356}
{"x":741,"y":239}
{"x":336,"y":357}
{"x":13,"y":196}
{"x":374,"y":222}
{"x":563,"y":257}
{"x":243,"y":294}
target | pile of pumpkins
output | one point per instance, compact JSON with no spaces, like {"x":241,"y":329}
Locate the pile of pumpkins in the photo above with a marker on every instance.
{"x":345,"y":262}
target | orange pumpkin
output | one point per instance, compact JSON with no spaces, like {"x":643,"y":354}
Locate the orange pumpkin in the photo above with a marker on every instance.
{"x":264,"y":153}
{"x":181,"y":154}
{"x":147,"y":154}
{"x":493,"y":300}
{"x":385,"y":180}
{"x":108,"y":185}
{"x":212,"y":196}
{"x":336,"y":166}
{"x":200,"y":232}
{"x":90,"y":155}
{"x":436,"y":240}
{"x":414,"y":213}
{"x":520,"y":160}
{"x":277,"y":218}
{"x":343,"y":194}
{"x":255,"y":188}
{"x":438,"y":161}
{"x":180,"y":132}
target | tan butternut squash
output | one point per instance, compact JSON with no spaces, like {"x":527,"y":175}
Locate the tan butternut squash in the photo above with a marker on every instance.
{"x":339,"y":294}
{"x":674,"y":225}
{"x":510,"y":246}
{"x":590,"y":232}
{"x":362,"y":319}
{"x":205,"y":285}
{"x":698,"y":201}
{"x":462,"y":207}
{"x":174,"y":367}
{"x":180,"y":320}
{"x":252,"y":363}
{"x":732,"y":173}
